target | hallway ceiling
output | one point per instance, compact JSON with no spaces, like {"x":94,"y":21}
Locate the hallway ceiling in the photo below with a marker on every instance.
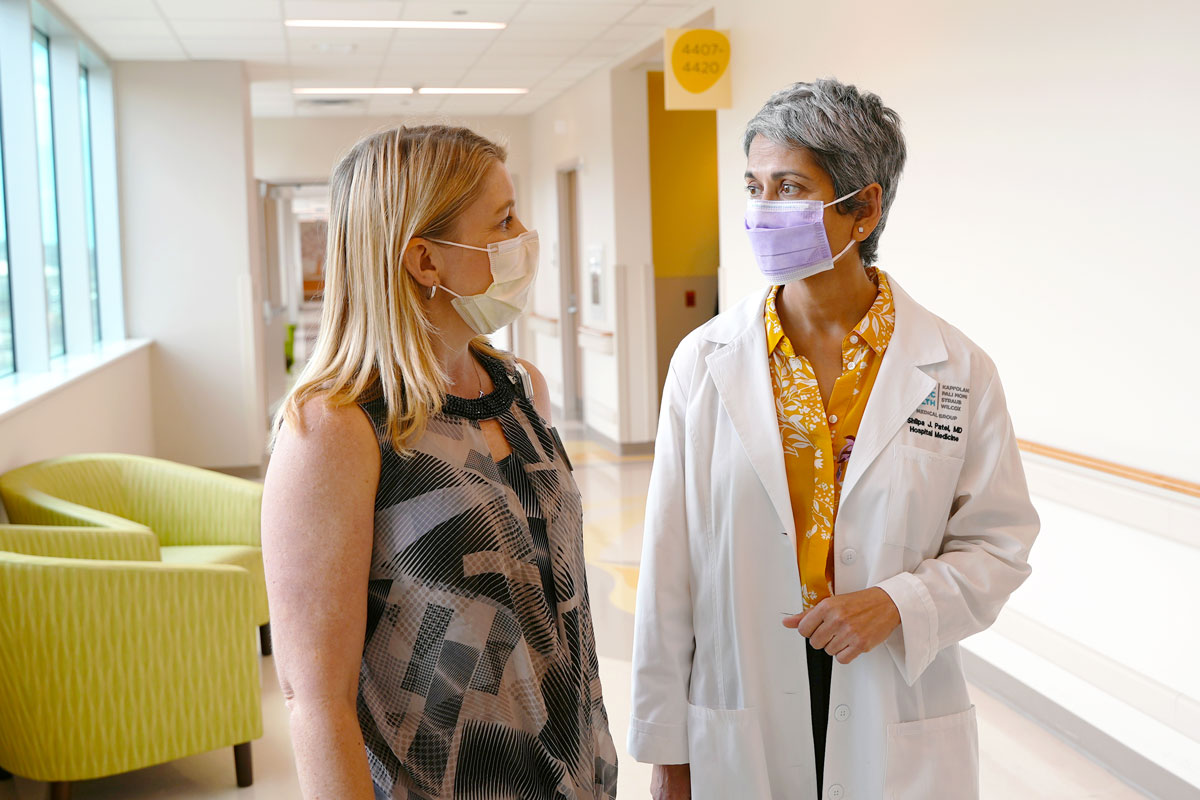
{"x":548,"y":46}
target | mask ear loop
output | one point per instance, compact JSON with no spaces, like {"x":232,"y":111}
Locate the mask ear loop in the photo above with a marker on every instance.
{"x":827,"y":205}
{"x":456,"y":244}
{"x":845,"y":249}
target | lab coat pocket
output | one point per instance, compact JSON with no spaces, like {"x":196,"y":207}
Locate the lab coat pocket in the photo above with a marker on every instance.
{"x":922,"y":491}
{"x":725,"y":748}
{"x":936,"y":757}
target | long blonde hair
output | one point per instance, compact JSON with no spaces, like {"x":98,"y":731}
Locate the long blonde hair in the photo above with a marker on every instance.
{"x":392,"y":186}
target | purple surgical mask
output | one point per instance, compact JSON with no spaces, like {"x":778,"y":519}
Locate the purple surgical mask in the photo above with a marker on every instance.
{"x":788,"y":238}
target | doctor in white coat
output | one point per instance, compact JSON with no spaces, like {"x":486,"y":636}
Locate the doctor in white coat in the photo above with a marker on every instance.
{"x":749,"y":680}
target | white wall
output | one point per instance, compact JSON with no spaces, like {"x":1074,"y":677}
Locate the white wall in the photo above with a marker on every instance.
{"x":105,"y":410}
{"x":599,"y":127}
{"x":1048,"y":200}
{"x":190,"y":255}
{"x":1045,"y":209}
{"x":575,"y":129}
{"x":306,"y":149}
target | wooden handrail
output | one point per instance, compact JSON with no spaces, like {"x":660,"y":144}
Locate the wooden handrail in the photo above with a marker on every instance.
{"x":533,"y":315}
{"x":587,"y":330}
{"x":1112,"y":468}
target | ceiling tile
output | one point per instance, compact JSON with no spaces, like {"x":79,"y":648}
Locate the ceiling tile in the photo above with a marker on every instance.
{"x":533,"y":47}
{"x":360,"y":36}
{"x":128,"y":29}
{"x":305,"y":75}
{"x":653,"y":15}
{"x":228,"y":28}
{"x":548,"y":31}
{"x":328,"y":63}
{"x":441,"y":10}
{"x":143,"y":49}
{"x":606,"y":49}
{"x":109,"y":9}
{"x":502,"y":78}
{"x":403,"y":106}
{"x":309,"y":108}
{"x":235,"y":49}
{"x":430,"y":75}
{"x":509,"y":62}
{"x":219,"y":9}
{"x":456,"y":63}
{"x":342,"y":9}
{"x":475,"y":105}
{"x":585,"y":14}
{"x":635,"y":34}
{"x":438,"y":41}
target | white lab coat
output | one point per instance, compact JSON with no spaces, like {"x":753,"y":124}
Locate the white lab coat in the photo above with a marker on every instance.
{"x":941,"y":520}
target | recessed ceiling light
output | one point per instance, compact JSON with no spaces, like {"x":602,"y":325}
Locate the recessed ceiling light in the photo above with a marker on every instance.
{"x":321,"y":90}
{"x":341,"y":48}
{"x":396,"y":23}
{"x":456,"y":90}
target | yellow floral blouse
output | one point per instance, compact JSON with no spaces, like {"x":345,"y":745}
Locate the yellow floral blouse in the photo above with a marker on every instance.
{"x":817,"y":442}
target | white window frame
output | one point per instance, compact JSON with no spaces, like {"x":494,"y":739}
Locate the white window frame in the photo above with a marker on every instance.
{"x":70,"y":49}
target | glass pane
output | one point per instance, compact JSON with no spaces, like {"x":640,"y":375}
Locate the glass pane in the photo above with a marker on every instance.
{"x":45,"y":145}
{"x":89,"y":201}
{"x":6,"y":329}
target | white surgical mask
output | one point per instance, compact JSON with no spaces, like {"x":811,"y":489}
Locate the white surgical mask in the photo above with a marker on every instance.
{"x":514,"y":264}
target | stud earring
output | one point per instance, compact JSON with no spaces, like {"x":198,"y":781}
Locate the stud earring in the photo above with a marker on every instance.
{"x":860,"y":230}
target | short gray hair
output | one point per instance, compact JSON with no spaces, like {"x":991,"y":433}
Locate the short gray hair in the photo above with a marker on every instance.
{"x":854,"y":137}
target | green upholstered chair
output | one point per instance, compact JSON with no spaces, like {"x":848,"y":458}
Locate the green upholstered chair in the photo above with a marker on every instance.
{"x":198,"y":516}
{"x":119,"y":661}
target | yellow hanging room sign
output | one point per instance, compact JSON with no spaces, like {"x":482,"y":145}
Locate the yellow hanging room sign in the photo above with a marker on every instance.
{"x":697,"y":73}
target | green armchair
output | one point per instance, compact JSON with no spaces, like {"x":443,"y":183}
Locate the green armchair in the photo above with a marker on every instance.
{"x":118,"y":661}
{"x":197,"y":516}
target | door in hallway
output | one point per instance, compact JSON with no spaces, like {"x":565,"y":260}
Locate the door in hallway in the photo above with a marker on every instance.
{"x":570,"y":283}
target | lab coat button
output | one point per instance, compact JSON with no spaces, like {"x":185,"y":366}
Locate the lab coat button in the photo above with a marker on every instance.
{"x":836,"y":792}
{"x":841,"y":713}
{"x":848,"y":555}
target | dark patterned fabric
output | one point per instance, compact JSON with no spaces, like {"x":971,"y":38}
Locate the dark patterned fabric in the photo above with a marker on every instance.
{"x":479,"y":676}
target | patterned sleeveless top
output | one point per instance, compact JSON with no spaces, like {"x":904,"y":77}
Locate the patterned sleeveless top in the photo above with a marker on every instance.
{"x":479,"y":676}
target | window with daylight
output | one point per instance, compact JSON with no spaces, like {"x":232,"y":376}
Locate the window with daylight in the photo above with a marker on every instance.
{"x":6,"y":326}
{"x":89,"y":199}
{"x":44,"y":118}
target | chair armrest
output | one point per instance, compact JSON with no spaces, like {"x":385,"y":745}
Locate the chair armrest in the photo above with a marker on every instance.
{"x":109,"y":544}
{"x":187,"y":505}
{"x":29,"y":506}
{"x":117,"y":665}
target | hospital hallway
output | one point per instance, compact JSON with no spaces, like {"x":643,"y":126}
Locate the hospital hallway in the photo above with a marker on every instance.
{"x":1018,"y":758}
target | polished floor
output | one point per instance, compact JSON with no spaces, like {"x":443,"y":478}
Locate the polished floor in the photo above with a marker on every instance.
{"x":1019,"y":759}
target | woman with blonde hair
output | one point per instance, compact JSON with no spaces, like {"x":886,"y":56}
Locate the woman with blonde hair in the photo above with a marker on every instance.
{"x":422,"y":533}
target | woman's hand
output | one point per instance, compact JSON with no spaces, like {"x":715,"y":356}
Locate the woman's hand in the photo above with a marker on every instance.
{"x":848,"y":625}
{"x":671,"y":782}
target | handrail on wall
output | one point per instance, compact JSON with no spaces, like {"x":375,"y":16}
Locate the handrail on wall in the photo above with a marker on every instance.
{"x":1112,"y":468}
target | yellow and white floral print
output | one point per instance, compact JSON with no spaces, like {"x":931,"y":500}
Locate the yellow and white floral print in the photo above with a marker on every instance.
{"x":818,"y":442}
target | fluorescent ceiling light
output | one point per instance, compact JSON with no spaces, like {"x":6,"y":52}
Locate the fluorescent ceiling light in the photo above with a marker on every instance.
{"x":447,"y":25}
{"x":379,"y":90}
{"x":454,"y":90}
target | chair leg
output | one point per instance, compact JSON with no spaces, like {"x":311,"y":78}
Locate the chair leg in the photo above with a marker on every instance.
{"x":264,"y":638}
{"x":60,"y":790}
{"x":243,"y":765}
